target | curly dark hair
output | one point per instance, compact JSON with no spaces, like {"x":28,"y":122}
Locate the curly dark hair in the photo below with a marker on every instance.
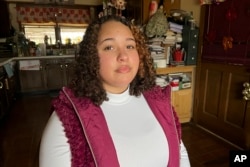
{"x":87,"y":81}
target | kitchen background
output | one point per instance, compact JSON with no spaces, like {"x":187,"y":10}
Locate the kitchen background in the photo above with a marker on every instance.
{"x":211,"y":97}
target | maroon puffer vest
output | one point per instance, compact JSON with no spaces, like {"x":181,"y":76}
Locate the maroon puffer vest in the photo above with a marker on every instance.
{"x":88,"y":135}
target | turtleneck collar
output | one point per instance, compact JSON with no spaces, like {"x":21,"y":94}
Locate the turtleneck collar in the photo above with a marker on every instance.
{"x":118,"y":98}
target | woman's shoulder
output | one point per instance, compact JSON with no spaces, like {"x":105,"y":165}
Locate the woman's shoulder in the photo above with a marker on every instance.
{"x":157,"y":92}
{"x":68,"y":98}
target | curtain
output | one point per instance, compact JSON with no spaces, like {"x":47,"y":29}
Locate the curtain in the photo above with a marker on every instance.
{"x":29,"y":14}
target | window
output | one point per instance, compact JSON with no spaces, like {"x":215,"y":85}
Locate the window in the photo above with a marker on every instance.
{"x":71,"y":33}
{"x":37,"y":33}
{"x":74,"y":34}
{"x":63,"y":23}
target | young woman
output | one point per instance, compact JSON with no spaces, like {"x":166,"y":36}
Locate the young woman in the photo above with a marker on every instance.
{"x":113,"y":114}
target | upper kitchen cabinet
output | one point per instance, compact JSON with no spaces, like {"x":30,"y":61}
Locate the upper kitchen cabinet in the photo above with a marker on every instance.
{"x":5,"y":28}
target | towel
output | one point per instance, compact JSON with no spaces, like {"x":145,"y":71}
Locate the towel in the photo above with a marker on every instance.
{"x":8,"y":69}
{"x":29,"y":65}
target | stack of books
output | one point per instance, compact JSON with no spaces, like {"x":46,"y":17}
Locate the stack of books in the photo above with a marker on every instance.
{"x":175,"y":27}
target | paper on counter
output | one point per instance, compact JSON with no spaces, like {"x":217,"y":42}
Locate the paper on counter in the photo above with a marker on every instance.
{"x":29,"y":65}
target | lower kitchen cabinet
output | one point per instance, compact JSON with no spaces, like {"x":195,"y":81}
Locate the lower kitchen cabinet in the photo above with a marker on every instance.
{"x":58,"y":72}
{"x":69,"y":70}
{"x":31,"y":80}
{"x":52,"y":74}
{"x":181,"y":98}
{"x":7,"y":91}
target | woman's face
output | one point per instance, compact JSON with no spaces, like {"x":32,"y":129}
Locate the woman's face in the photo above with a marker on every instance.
{"x":119,"y":59}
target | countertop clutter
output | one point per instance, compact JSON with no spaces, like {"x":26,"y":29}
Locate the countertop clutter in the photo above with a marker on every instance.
{"x":4,"y":61}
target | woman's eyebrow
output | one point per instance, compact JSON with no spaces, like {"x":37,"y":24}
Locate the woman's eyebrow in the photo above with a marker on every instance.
{"x":130,"y":39}
{"x":111,"y":39}
{"x":106,"y":39}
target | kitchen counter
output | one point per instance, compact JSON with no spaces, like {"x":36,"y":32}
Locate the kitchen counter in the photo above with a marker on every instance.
{"x":8,"y":60}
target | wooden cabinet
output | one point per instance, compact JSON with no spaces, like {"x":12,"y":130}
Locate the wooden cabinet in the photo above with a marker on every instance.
{"x":31,"y":79}
{"x":58,"y":72}
{"x":224,"y":41}
{"x":219,"y":105}
{"x":182,"y":100}
{"x":221,"y":108}
{"x":69,"y":70}
{"x":52,"y":74}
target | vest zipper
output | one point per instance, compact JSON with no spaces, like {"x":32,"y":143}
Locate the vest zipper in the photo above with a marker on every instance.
{"x":84,"y":131}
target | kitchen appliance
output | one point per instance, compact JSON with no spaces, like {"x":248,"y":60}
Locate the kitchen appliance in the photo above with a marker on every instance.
{"x":6,"y":48}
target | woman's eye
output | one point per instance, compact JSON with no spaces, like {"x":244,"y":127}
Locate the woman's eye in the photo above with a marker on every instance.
{"x":108,"y":48}
{"x":130,"y":47}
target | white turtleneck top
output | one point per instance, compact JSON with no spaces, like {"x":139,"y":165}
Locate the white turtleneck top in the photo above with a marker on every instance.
{"x":138,"y":137}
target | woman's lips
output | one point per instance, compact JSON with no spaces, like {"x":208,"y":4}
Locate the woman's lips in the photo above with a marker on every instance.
{"x":123,"y":69}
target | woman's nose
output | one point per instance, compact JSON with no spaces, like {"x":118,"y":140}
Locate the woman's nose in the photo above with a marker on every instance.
{"x":122,"y":55}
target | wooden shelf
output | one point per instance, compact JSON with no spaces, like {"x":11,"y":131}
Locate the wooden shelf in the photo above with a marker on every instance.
{"x":182,"y":100}
{"x":175,"y":69}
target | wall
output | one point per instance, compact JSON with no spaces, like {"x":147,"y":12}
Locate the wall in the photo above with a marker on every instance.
{"x":194,"y":6}
{"x":187,"y":5}
{"x":13,"y":18}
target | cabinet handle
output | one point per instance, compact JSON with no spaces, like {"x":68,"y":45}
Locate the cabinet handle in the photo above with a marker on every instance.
{"x":61,"y":66}
{"x":7,"y":84}
{"x":246,"y":91}
{"x":66,"y":65}
{"x":1,"y":85}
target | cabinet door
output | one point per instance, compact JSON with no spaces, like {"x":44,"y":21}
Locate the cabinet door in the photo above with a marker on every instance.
{"x":182,"y":102}
{"x":31,"y":80}
{"x":69,"y":72}
{"x":222,"y":109}
{"x":54,"y":74}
